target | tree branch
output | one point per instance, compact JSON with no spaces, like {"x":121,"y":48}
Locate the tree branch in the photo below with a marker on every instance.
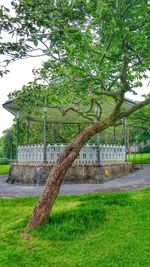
{"x":64,"y":112}
{"x":105,"y":93}
{"x":107,"y":47}
{"x":129,"y":7}
{"x":135,"y":108}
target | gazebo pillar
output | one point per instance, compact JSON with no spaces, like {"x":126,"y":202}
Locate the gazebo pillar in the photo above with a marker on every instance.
{"x":17,"y":134}
{"x":45,"y":143}
{"x":27,"y":131}
{"x":98,"y":137}
{"x":125,"y":135}
{"x":98,"y":148}
{"x":114,"y":135}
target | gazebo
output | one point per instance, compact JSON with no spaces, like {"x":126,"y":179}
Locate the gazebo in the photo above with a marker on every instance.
{"x":95,"y":162}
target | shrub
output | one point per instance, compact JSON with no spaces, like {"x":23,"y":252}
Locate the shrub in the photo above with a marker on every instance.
{"x":146,"y":149}
{"x":4,"y":161}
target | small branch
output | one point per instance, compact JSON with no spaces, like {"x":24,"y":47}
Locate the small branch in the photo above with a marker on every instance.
{"x":106,"y":49}
{"x":129,"y":6}
{"x":64,"y":112}
{"x":118,"y":105}
{"x":135,"y":108}
{"x":91,"y":106}
{"x":28,"y":56}
{"x":106,"y":93}
{"x":44,"y":43}
{"x":123,"y":74}
{"x":113,"y":83}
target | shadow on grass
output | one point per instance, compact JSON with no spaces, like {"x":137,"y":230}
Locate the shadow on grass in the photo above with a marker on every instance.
{"x":91,"y":213}
{"x":73,"y":216}
{"x":70,"y":224}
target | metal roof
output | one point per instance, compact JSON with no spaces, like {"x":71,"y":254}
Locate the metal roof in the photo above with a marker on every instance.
{"x":55,"y":114}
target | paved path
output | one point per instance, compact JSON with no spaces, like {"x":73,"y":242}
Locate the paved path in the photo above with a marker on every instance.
{"x":133,"y":181}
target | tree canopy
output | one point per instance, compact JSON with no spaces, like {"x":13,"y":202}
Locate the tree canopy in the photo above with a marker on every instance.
{"x":94,"y":49}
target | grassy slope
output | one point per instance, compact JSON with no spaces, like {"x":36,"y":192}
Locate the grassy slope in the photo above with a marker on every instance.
{"x":139,"y":158}
{"x":4,"y":169}
{"x":89,"y":230}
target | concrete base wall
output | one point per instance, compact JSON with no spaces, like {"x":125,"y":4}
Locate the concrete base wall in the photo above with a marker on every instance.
{"x":87,"y":173}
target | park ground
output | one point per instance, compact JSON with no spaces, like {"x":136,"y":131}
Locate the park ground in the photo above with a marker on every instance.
{"x":4,"y":169}
{"x":98,"y":229}
{"x":102,"y":229}
{"x":139,"y":158}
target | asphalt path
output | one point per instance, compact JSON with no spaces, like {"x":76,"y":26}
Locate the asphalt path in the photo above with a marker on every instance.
{"x":136,"y":180}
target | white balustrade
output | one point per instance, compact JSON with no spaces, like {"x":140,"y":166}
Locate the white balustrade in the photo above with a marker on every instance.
{"x":34,"y":153}
{"x":88,"y":154}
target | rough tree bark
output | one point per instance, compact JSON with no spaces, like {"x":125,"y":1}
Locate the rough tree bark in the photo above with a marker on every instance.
{"x":44,"y":206}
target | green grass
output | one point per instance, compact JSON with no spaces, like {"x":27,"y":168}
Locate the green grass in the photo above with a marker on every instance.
{"x":139,"y":158}
{"x":89,"y":230}
{"x":4,"y":169}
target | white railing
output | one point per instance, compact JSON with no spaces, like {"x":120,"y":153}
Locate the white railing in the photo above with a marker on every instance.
{"x":88,"y":154}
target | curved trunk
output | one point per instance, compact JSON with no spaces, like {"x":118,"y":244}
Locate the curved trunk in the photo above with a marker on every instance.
{"x":44,"y":206}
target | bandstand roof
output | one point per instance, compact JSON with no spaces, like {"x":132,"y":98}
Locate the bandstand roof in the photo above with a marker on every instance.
{"x":55,"y":113}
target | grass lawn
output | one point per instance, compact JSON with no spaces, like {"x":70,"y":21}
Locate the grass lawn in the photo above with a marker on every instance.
{"x":89,"y":230}
{"x":139,"y":158}
{"x":4,"y":169}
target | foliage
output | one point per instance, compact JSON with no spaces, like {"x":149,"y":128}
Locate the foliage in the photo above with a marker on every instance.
{"x":1,"y":151}
{"x":88,"y":230}
{"x":4,"y":169}
{"x":8,"y":143}
{"x":143,"y":158}
{"x":95,"y":51}
{"x":139,"y":125}
{"x":3,"y":161}
{"x":146,"y":149}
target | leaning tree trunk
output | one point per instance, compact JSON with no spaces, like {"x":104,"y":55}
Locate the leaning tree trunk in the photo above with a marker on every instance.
{"x":44,"y":206}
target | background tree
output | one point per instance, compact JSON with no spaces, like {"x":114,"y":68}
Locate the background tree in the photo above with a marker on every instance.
{"x":7,"y":144}
{"x":139,"y":126}
{"x":97,"y":51}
